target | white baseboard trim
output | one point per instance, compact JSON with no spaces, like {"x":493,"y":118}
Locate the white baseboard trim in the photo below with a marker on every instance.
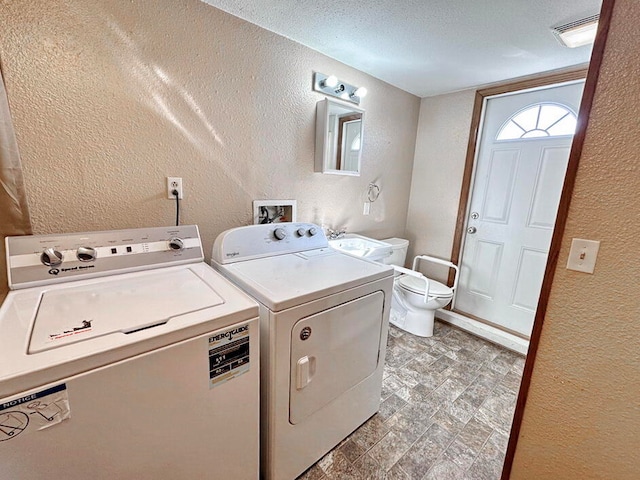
{"x":495,"y":335}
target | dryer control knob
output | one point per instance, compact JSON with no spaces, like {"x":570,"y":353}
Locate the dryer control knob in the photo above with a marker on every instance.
{"x":176,"y":244}
{"x":313,"y":231}
{"x":280,"y":233}
{"x":51,"y":257}
{"x":86,"y":254}
{"x":301,"y":232}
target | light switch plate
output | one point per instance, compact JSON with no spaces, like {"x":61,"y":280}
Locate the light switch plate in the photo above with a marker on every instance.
{"x":583,"y":254}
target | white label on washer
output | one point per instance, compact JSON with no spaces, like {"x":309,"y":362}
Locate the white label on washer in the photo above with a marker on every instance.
{"x":84,"y":327}
{"x":228,"y":354}
{"x":36,"y":411}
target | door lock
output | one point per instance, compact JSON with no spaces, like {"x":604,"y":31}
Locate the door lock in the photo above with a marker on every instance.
{"x":475,"y":215}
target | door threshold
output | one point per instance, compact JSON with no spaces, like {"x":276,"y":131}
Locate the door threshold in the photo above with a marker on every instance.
{"x":482,"y":330}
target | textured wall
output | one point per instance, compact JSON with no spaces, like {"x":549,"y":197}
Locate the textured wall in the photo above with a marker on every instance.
{"x":582,"y":415}
{"x":441,"y":149}
{"x":109,"y":98}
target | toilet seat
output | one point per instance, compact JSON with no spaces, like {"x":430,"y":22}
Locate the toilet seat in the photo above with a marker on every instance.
{"x":417,"y":285}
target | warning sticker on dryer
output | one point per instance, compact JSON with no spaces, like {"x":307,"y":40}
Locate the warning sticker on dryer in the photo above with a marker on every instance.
{"x":228,"y":354}
{"x":36,"y":411}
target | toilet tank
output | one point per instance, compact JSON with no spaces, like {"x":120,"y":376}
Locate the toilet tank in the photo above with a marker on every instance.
{"x":398,"y":255}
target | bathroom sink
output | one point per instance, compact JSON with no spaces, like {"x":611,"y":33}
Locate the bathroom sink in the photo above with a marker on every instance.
{"x":360,"y":246}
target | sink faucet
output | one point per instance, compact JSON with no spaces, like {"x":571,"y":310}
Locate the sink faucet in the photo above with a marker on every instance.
{"x":335,"y":234}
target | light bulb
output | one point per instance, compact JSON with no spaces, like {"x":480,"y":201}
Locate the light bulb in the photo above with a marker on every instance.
{"x":360,"y":92}
{"x":330,"y":81}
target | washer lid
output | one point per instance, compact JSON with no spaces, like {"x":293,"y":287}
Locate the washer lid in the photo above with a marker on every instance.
{"x":417,"y":285}
{"x":128,"y":303}
{"x":80,"y":313}
{"x":284,"y":281}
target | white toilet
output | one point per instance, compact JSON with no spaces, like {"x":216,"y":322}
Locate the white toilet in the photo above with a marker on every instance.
{"x":415,"y":297}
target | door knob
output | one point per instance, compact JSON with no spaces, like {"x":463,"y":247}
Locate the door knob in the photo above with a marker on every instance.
{"x":472,"y":230}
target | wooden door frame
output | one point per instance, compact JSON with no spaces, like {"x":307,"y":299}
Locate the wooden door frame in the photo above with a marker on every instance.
{"x":536,"y":81}
{"x":556,"y":79}
{"x":558,"y":232}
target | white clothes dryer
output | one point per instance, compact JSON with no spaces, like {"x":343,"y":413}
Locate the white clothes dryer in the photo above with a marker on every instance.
{"x":323,"y":323}
{"x":123,"y":355}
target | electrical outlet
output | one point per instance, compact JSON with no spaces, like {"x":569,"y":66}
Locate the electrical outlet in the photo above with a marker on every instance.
{"x":174,"y":183}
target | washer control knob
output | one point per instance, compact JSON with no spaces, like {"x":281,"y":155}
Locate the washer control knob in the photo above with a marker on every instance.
{"x":86,"y":254}
{"x":280,"y":233}
{"x":176,"y":244}
{"x":301,"y":232}
{"x":51,"y":257}
{"x":313,"y":231}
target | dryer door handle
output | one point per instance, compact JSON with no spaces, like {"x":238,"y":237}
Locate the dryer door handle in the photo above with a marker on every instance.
{"x":305,"y":368}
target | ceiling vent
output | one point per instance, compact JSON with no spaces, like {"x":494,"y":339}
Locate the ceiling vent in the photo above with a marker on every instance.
{"x":577,"y":33}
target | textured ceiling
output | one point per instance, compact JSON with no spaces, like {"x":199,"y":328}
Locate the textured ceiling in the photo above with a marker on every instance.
{"x":427,"y":47}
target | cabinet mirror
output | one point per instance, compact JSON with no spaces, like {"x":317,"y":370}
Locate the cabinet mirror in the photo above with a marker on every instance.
{"x":338,"y":138}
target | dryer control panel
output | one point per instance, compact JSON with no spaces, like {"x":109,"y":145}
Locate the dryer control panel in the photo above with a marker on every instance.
{"x":258,"y":241}
{"x":34,"y":260}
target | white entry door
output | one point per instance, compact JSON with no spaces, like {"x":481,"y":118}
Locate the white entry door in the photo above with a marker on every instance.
{"x":520,"y":168}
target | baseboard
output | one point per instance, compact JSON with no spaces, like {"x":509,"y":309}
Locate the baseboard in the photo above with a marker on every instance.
{"x":492,"y":334}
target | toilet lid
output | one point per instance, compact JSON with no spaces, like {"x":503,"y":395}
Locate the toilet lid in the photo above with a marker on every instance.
{"x":417,"y":285}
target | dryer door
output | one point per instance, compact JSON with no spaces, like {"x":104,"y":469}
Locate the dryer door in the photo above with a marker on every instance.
{"x":332,"y":351}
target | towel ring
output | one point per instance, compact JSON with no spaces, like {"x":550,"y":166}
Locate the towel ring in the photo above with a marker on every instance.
{"x":373,"y":192}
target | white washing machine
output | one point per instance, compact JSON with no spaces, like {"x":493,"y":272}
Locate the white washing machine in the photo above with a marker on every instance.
{"x":124,"y":356}
{"x":323,"y":324}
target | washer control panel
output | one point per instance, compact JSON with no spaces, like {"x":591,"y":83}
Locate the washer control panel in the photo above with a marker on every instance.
{"x":34,"y":260}
{"x":257,"y":241}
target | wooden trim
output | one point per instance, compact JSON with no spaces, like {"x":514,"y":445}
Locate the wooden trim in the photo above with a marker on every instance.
{"x":525,"y":83}
{"x":536,"y":81}
{"x":561,"y":220}
{"x":491,"y":324}
{"x":465,"y":190}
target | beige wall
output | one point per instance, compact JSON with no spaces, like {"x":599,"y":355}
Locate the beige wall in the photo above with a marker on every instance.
{"x":582,"y":417}
{"x":441,"y":148}
{"x":109,"y":98}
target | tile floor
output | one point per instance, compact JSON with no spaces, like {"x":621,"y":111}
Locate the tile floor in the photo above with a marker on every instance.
{"x":447,"y":405}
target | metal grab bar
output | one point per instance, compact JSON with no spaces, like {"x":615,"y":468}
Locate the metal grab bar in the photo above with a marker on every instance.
{"x":412,"y":273}
{"x":446,"y":263}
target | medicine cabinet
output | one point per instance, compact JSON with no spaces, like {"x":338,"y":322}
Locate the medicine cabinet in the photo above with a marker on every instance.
{"x":338,"y":138}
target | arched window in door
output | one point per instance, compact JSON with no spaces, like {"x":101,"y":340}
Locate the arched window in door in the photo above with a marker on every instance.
{"x":539,"y":120}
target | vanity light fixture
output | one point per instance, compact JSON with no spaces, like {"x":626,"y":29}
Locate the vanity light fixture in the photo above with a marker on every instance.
{"x":578,"y":33}
{"x":331,"y":81}
{"x":330,"y":85}
{"x":360,"y":92}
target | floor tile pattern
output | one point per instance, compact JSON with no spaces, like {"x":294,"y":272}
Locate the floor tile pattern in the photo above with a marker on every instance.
{"x":447,"y":406}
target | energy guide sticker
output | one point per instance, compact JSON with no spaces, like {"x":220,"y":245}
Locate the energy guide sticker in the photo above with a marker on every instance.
{"x":228,"y":354}
{"x":36,"y":411}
